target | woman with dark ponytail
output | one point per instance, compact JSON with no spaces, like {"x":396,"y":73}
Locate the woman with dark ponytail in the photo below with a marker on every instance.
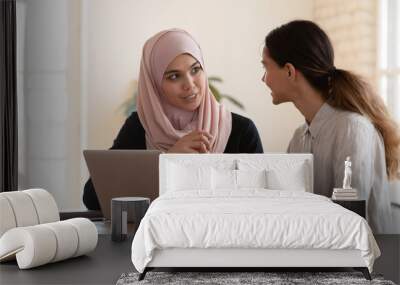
{"x":344,"y":117}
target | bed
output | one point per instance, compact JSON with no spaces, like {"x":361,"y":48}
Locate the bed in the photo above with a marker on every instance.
{"x":246,"y":211}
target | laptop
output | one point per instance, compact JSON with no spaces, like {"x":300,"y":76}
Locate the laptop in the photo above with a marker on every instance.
{"x":122,"y":173}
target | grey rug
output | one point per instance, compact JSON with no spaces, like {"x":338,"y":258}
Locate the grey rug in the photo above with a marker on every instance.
{"x":225,"y":278}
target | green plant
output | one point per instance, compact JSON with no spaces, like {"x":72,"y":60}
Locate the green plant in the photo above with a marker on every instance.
{"x":218,"y":95}
{"x":129,"y":105}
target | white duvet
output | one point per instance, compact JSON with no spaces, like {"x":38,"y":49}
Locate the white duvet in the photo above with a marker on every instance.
{"x":251,"y":218}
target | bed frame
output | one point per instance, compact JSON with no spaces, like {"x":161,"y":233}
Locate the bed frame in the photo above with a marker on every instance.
{"x":247,"y":259}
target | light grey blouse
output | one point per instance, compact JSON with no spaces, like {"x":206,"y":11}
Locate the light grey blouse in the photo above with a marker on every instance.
{"x":332,"y":136}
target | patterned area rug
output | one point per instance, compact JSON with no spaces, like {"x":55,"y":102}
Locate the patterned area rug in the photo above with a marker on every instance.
{"x":225,"y":278}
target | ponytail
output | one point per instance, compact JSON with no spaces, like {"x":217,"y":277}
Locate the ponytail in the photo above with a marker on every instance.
{"x":349,"y":92}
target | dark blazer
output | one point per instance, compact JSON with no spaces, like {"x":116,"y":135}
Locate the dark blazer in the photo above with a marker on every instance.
{"x":244,"y":138}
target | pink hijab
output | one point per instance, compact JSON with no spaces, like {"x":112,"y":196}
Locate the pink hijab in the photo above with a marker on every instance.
{"x":163,"y":123}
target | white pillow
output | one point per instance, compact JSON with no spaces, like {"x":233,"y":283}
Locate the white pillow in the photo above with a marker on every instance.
{"x":224,"y":179}
{"x":251,"y":178}
{"x":188,"y":177}
{"x":293,"y":178}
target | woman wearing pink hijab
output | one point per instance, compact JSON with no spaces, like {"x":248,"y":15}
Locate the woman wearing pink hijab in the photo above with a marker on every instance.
{"x":176,"y":111}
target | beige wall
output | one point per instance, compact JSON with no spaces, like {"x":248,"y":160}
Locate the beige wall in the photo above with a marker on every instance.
{"x":352,"y":28}
{"x":231,"y":37}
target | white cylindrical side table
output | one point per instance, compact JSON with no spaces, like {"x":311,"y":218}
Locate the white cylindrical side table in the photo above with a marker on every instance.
{"x":120,"y":207}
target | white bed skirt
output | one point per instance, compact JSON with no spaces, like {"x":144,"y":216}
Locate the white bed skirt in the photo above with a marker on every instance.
{"x":235,"y":257}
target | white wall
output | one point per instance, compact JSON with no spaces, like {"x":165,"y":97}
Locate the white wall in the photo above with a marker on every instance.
{"x":21,"y":16}
{"x":48,"y":98}
{"x":231,"y":34}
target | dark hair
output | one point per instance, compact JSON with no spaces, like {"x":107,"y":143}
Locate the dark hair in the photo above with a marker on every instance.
{"x":307,"y":47}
